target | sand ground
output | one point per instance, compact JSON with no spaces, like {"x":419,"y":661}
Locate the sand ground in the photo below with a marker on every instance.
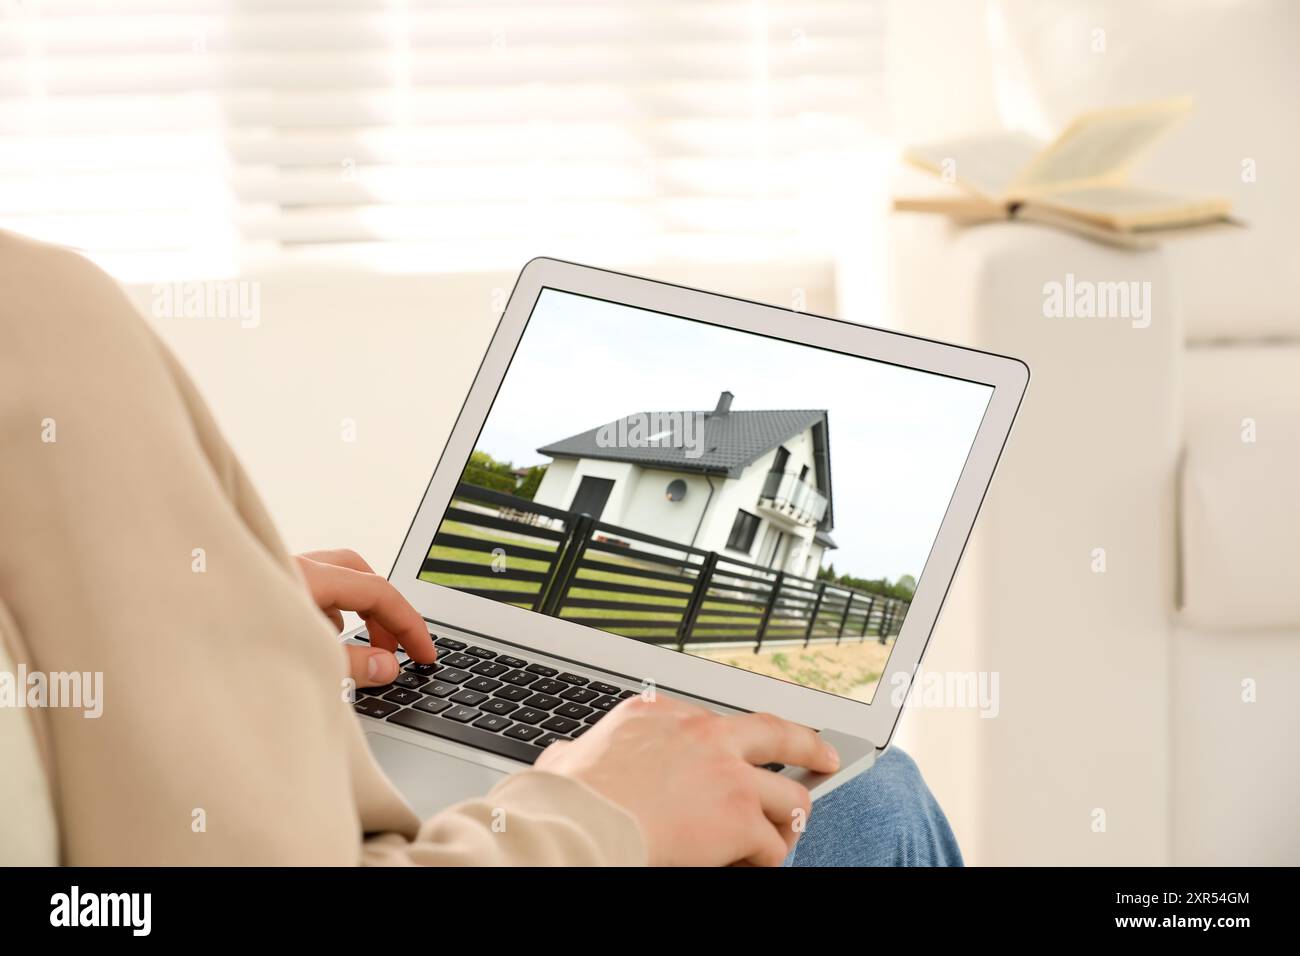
{"x":851,"y":669}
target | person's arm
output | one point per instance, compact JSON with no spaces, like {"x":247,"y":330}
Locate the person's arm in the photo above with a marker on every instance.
{"x":133,"y":548}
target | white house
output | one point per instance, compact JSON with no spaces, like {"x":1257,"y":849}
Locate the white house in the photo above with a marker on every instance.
{"x":751,"y":485}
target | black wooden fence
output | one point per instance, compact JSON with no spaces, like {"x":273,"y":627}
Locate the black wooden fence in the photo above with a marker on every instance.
{"x":577,"y":568}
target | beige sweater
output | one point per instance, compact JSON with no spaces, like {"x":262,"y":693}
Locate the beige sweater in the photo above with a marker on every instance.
{"x":224,"y":737}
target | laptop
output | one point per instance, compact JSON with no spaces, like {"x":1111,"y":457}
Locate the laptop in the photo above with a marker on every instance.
{"x":652,"y":489}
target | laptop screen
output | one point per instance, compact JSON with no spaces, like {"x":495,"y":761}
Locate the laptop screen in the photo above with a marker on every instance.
{"x":756,"y":502}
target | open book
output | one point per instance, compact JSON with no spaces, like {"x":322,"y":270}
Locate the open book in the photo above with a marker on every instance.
{"x":1079,"y":180}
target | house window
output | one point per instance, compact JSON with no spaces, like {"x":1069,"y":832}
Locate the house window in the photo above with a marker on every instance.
{"x":782,"y":457}
{"x":743,"y":530}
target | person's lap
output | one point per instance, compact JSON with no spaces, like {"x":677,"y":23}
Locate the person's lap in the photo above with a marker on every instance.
{"x":886,"y":816}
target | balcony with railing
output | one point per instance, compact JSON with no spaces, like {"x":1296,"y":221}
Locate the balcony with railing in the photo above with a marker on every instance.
{"x":786,"y":494}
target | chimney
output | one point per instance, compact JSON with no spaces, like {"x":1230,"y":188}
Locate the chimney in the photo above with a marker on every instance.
{"x":724,"y":403}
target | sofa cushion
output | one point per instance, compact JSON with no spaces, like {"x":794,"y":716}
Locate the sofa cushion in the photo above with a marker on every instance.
{"x":1238,"y":57}
{"x":1240,"y":488}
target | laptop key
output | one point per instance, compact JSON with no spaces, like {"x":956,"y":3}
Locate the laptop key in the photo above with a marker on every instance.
{"x":529,"y":715}
{"x":439,"y":688}
{"x":605,"y":703}
{"x":593,"y":717}
{"x":523,"y":732}
{"x":511,"y":692}
{"x":463,"y":661}
{"x":484,"y":684}
{"x":574,"y":711}
{"x":425,"y":670}
{"x":571,"y":678}
{"x":454,"y":675}
{"x":600,"y":688}
{"x":432,"y":705}
{"x":624,"y":695}
{"x":373,"y":707}
{"x":461,"y":714}
{"x":492,"y":722}
{"x":489,"y":669}
{"x":560,"y":725}
{"x":450,"y":644}
{"x":542,"y":701}
{"x":580,"y":731}
{"x":403,"y":696}
{"x":519,"y":678}
{"x":470,"y":698}
{"x":547,"y":739}
{"x":497,"y":706}
{"x":511,"y":661}
{"x":462,"y":733}
{"x":482,"y":652}
{"x":413,"y":681}
{"x":541,"y":670}
{"x":579,"y":695}
{"x":548,"y":686}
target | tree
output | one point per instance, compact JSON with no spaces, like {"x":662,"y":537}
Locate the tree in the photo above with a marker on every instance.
{"x":532,"y":481}
{"x":486,"y":472}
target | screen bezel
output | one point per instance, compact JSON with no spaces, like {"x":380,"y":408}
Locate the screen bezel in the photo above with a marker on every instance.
{"x":669,"y":668}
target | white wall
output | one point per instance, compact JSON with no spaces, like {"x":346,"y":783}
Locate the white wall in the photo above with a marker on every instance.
{"x":648,"y":509}
{"x":742,"y":493}
{"x":554,"y":488}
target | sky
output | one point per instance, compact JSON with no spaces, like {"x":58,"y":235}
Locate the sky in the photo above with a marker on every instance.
{"x":898,"y":437}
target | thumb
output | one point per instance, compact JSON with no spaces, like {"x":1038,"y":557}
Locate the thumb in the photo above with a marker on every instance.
{"x":371,"y":666}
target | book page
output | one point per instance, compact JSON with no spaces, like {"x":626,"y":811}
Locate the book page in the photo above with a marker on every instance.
{"x":1100,"y":147}
{"x":986,"y":164}
{"x":1126,"y":207}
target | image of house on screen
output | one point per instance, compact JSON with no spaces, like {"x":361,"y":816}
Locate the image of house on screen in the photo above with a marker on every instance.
{"x":751,"y":485}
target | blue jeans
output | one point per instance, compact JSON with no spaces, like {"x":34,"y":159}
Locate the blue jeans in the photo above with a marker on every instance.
{"x":885,"y":816}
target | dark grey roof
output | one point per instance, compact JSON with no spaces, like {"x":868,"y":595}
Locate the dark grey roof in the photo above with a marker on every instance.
{"x":731,"y":441}
{"x":825,"y":540}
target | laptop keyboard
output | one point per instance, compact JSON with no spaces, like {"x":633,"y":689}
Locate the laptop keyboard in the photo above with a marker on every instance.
{"x":495,"y":702}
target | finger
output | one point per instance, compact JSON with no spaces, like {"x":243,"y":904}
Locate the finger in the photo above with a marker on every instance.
{"x":767,"y":846}
{"x":370,"y":666}
{"x":785,"y":802}
{"x":342,"y":558}
{"x":339,"y":557}
{"x":389,"y":617}
{"x":766,"y":738}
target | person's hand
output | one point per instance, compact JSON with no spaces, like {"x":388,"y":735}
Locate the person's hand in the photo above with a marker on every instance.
{"x":692,"y":779}
{"x":342,"y":581}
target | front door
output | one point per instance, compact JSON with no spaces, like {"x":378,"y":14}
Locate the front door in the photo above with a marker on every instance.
{"x":591,"y":496}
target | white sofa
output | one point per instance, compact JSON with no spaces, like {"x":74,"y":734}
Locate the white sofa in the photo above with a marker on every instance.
{"x":1149,"y":712}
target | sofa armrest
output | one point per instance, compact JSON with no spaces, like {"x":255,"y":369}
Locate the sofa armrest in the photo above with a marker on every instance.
{"x":1068,"y":586}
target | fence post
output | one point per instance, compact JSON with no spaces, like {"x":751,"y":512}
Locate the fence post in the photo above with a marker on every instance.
{"x":886,"y":619}
{"x":866,"y":618}
{"x":767,"y":609}
{"x":844,"y":618}
{"x":566,"y":565}
{"x":696,"y":600}
{"x":816,"y":609}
